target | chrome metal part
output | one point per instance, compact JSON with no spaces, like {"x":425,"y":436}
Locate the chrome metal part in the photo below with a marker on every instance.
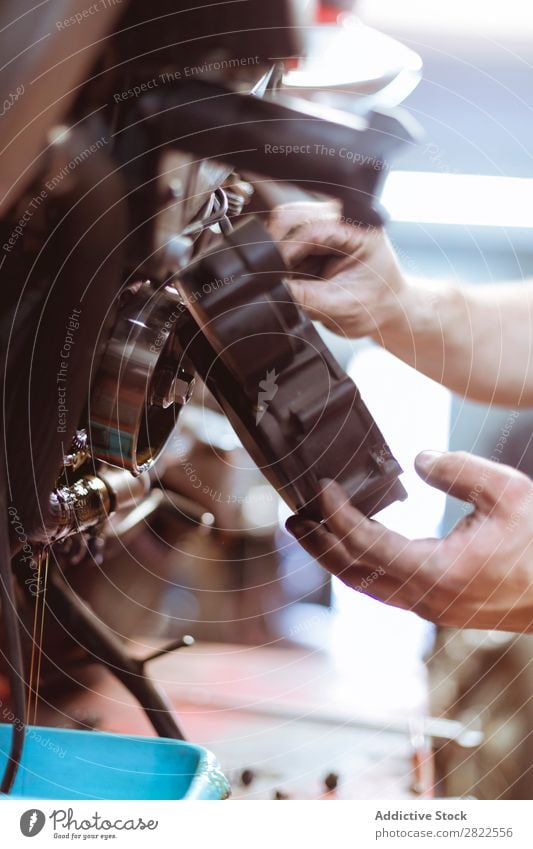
{"x":143,"y":382}
{"x":91,"y":500}
{"x":239,"y":193}
{"x":85,"y":503}
{"x":79,"y":451}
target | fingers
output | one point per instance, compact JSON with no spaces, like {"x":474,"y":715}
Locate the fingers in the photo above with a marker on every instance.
{"x":366,"y":540}
{"x":489,"y":486}
{"x":310,"y":240}
{"x":320,"y":544}
{"x":287,"y":217}
{"x":322,"y":302}
{"x":324,"y":546}
{"x":318,"y":238}
{"x":306,"y":230}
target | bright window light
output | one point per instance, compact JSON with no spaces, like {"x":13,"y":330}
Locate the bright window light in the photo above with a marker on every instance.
{"x":510,"y":20}
{"x":428,"y":197}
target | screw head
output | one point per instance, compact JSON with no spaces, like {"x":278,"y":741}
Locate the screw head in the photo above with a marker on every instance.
{"x":331,"y":781}
{"x":280,"y":796}
{"x":247,"y":776}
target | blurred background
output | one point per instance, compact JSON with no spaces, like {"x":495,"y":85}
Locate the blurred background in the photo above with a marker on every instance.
{"x":301,"y":686}
{"x":461,"y":209}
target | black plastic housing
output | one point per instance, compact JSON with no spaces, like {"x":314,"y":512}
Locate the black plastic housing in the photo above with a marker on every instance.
{"x":296,"y":411}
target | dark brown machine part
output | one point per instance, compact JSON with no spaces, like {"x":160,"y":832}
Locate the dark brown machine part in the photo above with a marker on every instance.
{"x":53,"y":332}
{"x":183,"y":35}
{"x":206,"y":119}
{"x":296,"y":411}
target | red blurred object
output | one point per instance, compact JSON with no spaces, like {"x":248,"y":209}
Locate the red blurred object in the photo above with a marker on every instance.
{"x":328,"y":12}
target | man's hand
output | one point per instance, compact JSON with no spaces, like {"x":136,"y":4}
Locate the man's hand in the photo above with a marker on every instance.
{"x":479,"y":576}
{"x":344,"y":276}
{"x":476,"y":340}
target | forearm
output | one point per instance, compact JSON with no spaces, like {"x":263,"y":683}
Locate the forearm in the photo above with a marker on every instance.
{"x":477,"y":340}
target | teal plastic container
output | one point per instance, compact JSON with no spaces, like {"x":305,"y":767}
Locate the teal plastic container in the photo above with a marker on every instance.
{"x":60,"y":763}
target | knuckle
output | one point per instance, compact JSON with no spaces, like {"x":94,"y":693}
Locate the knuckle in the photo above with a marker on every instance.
{"x":317,"y":231}
{"x":519,"y":487}
{"x":360,"y":540}
{"x":435,"y":608}
{"x":299,"y":292}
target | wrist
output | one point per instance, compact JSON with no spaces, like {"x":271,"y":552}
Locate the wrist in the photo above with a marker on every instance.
{"x":424,"y":312}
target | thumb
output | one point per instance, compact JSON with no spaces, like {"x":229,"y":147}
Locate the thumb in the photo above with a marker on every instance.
{"x":319,"y":302}
{"x":470,"y":478}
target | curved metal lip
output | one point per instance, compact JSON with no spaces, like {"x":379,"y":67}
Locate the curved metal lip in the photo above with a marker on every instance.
{"x":353,"y":61}
{"x":118,"y":409}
